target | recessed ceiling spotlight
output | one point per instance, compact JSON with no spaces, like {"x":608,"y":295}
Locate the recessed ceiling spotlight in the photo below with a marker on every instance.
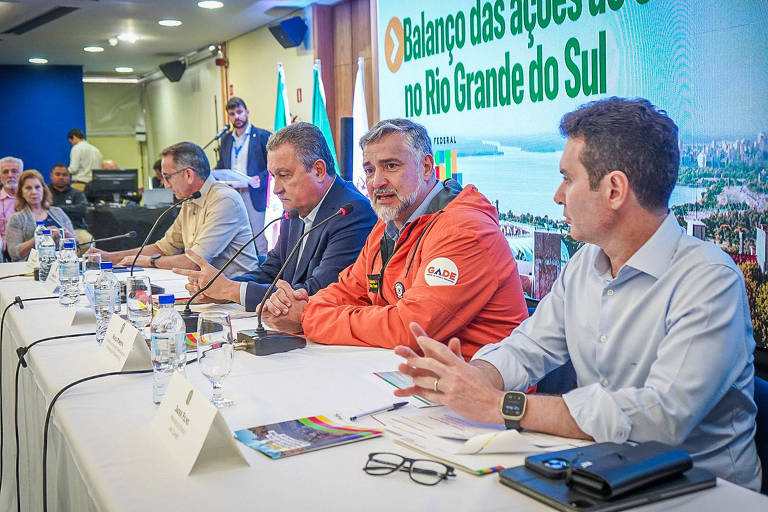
{"x":169,"y":23}
{"x":38,"y":60}
{"x":124,"y":69}
{"x":93,"y":49}
{"x":212,"y":48}
{"x":210,"y":4}
{"x":128,"y":37}
{"x":113,"y":41}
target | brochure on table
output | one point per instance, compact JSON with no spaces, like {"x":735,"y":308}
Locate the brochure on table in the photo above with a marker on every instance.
{"x":189,"y":427}
{"x":477,"y":448}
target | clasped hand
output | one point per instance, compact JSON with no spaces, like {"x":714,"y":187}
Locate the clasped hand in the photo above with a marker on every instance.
{"x":283,"y":309}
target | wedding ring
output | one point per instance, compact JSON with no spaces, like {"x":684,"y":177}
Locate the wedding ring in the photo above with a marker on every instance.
{"x":436,"y":381}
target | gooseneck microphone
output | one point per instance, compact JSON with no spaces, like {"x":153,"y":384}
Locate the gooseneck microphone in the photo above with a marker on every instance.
{"x":154,"y":226}
{"x":189,"y":316}
{"x":260,"y":334}
{"x":130,"y":234}
{"x":218,"y":136}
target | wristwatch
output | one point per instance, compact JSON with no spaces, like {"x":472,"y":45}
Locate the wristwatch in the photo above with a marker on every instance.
{"x":513,"y":408}
{"x":153,"y":259}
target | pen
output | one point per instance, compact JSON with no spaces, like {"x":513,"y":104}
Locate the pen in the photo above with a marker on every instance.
{"x":386,"y":408}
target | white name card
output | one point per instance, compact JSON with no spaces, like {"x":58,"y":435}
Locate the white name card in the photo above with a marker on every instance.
{"x":80,"y":315}
{"x":33,"y":260}
{"x":124,"y":347}
{"x":191,"y":428}
{"x":52,"y":279}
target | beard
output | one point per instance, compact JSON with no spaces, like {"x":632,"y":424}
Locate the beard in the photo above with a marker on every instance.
{"x":388,"y":213}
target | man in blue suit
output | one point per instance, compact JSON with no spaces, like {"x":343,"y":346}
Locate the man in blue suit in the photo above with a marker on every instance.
{"x":244,"y":149}
{"x":301,"y":164}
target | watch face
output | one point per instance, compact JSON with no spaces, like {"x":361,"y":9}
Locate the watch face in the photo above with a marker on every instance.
{"x":514,"y":405}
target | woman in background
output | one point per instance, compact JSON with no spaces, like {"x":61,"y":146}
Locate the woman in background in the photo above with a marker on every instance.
{"x":33,"y":203}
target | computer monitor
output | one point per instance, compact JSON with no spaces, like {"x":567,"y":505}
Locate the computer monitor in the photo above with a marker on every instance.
{"x":110,"y":185}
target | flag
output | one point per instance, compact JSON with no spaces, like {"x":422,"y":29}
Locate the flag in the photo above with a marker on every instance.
{"x":319,"y":114}
{"x":282,"y":119}
{"x":359,"y":127}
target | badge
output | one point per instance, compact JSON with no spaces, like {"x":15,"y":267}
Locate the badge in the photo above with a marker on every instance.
{"x":373,"y":282}
{"x":399,"y":289}
{"x":441,"y":272}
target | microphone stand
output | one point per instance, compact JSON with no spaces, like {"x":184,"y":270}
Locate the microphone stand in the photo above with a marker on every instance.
{"x":217,"y":137}
{"x":270,"y":342}
{"x":189,"y":316}
{"x":130,"y":234}
{"x":152,"y":229}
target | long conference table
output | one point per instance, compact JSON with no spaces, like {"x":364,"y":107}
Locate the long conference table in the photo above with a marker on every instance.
{"x":101,"y":454}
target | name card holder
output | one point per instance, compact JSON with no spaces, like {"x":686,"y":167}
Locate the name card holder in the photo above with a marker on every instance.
{"x":52,"y":279}
{"x":33,"y":260}
{"x":124,"y":348}
{"x":192,"y":429}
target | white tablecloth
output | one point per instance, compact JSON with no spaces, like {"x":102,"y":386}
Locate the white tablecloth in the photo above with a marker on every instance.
{"x":101,"y":455}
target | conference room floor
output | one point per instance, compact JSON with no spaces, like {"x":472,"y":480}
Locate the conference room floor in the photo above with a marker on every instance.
{"x":102,"y":455}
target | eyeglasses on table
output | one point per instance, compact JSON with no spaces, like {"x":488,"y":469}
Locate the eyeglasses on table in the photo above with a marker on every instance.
{"x":421,"y":471}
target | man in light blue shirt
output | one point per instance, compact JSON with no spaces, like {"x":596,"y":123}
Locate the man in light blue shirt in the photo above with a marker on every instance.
{"x":656,"y":322}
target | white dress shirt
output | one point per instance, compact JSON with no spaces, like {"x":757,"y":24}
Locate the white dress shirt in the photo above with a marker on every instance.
{"x":663,"y":351}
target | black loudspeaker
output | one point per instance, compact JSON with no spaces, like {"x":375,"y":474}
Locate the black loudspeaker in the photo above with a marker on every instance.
{"x":289,"y":33}
{"x":174,"y":69}
{"x":347,"y":147}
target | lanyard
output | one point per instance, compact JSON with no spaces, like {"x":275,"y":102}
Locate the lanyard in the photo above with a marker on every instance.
{"x":239,"y":148}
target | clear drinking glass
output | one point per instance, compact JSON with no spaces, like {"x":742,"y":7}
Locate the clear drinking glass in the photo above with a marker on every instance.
{"x":138,"y":295}
{"x":91,"y":269}
{"x":215,"y":351}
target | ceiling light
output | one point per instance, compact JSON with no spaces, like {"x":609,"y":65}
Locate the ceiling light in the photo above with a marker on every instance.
{"x":109,"y":80}
{"x":38,"y":60}
{"x":112,"y":41}
{"x":210,"y":4}
{"x":93,"y":49}
{"x":128,"y":37}
{"x":124,"y":69}
{"x":169,"y":23}
{"x":212,"y":48}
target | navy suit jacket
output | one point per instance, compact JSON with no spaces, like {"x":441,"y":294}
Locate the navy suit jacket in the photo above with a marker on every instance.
{"x":257,"y":163}
{"x":327,"y":251}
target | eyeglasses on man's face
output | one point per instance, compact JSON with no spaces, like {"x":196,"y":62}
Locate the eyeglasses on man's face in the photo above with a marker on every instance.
{"x":167,"y":177}
{"x":421,"y":471}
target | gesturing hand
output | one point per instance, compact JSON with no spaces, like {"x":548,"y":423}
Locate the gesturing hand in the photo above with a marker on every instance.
{"x":443,"y":376}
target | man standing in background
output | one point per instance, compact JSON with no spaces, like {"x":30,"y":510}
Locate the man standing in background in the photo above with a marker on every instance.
{"x":245,"y":149}
{"x":10,"y":168}
{"x":83,"y":158}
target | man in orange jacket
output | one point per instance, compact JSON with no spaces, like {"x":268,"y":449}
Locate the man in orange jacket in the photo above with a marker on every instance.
{"x":436,"y":256}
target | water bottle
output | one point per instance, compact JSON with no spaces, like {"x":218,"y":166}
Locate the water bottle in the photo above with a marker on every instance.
{"x":46,"y":253}
{"x":169,"y":350}
{"x":39,"y":233}
{"x":69,"y":275}
{"x":103,"y":299}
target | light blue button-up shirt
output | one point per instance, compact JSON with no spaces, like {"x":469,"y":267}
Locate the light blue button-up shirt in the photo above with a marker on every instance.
{"x":663,"y":351}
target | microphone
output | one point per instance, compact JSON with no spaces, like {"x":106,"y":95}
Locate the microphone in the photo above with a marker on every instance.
{"x":130,"y":234}
{"x":189,"y":316}
{"x":279,"y":341}
{"x":152,"y":229}
{"x":222,"y":132}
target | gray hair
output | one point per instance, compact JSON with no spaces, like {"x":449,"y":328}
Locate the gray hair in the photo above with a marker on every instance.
{"x":308,"y":142}
{"x":12,"y":160}
{"x":189,"y":154}
{"x":415,"y":134}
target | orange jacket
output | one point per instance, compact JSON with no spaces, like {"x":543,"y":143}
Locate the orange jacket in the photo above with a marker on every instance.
{"x":451,"y":271}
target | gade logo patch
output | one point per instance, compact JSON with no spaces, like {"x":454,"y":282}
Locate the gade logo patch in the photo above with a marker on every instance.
{"x":441,"y":272}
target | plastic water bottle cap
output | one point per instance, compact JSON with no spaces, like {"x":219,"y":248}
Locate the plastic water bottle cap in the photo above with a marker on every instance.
{"x":106,"y":265}
{"x":69,"y":244}
{"x":167,"y":298}
{"x":47,"y":232}
{"x":40,"y":223}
